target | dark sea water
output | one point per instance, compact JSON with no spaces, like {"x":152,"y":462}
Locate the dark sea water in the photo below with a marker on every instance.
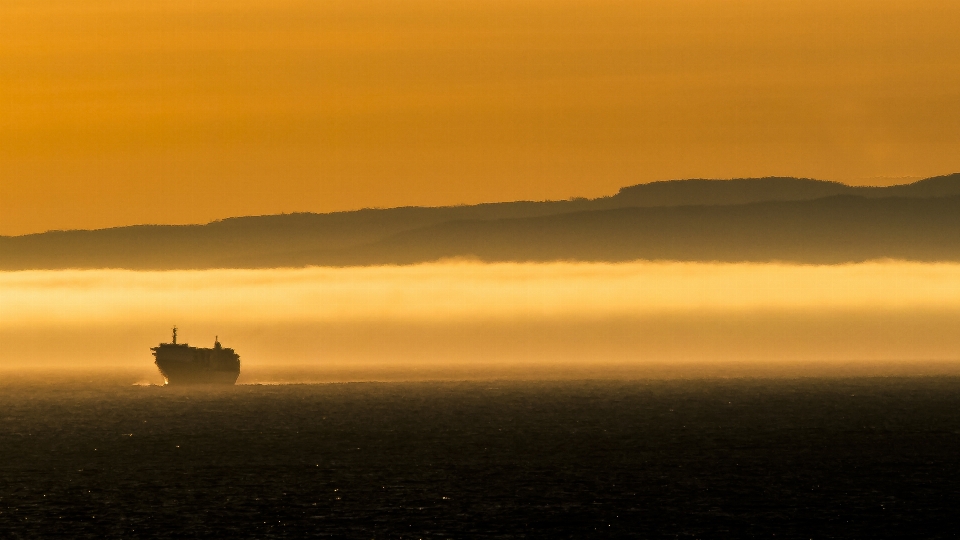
{"x":804,"y":458}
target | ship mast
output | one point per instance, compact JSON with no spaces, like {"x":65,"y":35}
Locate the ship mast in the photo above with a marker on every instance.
{"x":174,"y":335}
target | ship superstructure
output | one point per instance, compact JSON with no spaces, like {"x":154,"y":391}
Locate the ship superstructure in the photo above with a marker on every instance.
{"x":182,"y":364}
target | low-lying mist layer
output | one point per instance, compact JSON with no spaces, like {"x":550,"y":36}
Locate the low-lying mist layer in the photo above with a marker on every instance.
{"x":472,"y":316}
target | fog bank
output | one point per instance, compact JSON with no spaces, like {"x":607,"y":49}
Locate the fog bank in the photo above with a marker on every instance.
{"x":508,"y":319}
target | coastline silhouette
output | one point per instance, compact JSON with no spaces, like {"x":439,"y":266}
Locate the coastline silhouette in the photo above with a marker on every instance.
{"x":755,"y":220}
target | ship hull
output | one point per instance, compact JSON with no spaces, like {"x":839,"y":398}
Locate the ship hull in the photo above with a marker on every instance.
{"x":179,"y":374}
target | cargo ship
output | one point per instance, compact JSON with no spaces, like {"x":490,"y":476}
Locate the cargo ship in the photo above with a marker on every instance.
{"x":181,"y":364}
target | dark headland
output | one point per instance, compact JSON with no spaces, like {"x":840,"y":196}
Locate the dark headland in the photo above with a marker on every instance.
{"x":754,"y":219}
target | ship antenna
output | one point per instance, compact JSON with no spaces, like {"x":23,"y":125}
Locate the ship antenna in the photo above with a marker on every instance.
{"x":174,"y":335}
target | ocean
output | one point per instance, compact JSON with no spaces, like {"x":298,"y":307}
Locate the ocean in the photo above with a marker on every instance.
{"x":562,"y":400}
{"x":682,"y":458}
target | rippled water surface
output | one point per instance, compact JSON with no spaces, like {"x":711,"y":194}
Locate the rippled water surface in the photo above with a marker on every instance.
{"x":803,"y":458}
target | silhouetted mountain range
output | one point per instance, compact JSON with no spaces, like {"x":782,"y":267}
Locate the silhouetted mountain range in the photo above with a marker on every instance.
{"x":754,"y":219}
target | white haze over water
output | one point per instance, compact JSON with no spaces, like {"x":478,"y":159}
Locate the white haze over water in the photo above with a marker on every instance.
{"x":472,"y":316}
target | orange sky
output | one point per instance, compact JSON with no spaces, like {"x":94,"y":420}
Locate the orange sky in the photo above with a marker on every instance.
{"x":120,"y":112}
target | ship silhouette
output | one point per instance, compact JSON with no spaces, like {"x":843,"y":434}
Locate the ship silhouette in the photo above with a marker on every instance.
{"x":181,"y":364}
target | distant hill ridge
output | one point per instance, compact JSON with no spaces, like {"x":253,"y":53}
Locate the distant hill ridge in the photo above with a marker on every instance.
{"x":753,"y":219}
{"x":749,"y":190}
